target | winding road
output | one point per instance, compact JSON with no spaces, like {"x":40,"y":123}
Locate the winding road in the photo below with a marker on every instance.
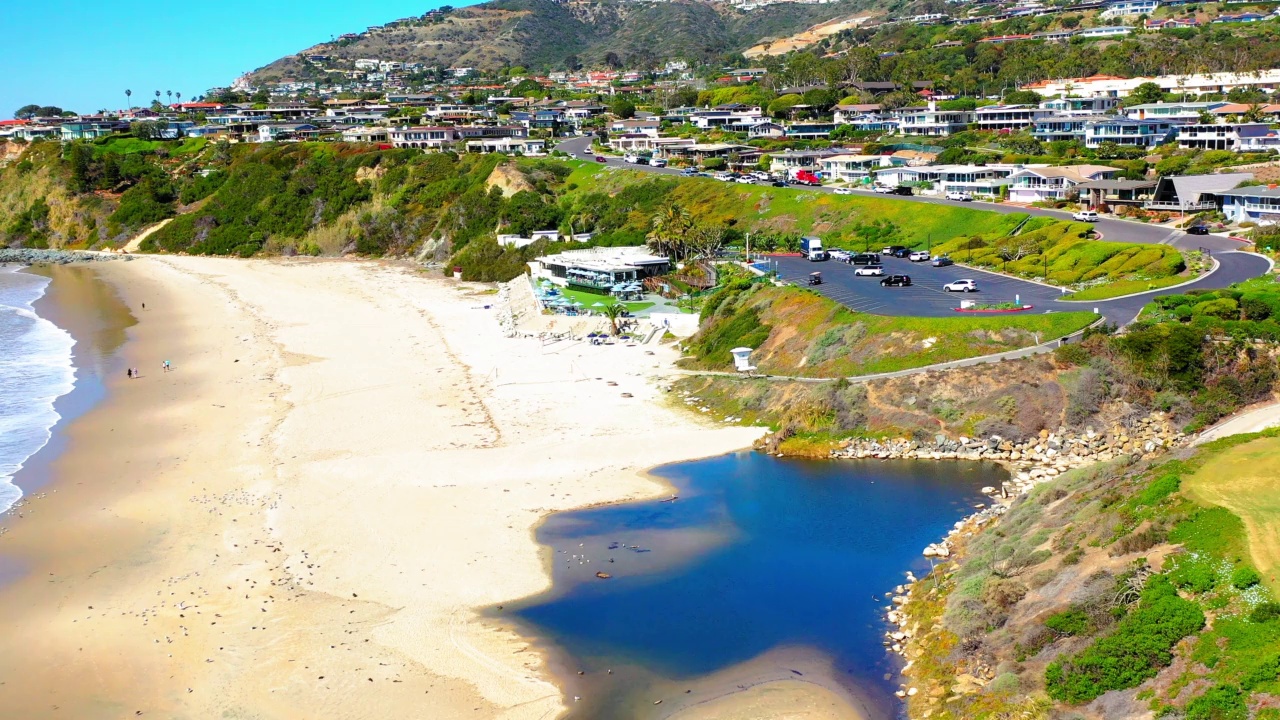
{"x":925,"y":298}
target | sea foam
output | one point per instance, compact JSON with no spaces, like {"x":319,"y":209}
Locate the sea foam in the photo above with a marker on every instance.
{"x":35,"y":370}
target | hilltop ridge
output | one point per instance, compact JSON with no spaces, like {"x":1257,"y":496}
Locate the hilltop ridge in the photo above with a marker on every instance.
{"x":550,"y":35}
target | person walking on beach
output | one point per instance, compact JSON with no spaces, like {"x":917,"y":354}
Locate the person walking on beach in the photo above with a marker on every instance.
{"x":129,"y":372}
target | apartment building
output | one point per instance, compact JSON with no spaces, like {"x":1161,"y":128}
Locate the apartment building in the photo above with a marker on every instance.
{"x":1236,"y":137}
{"x":1010,"y":117}
{"x":1129,"y":132}
{"x":931,"y":121}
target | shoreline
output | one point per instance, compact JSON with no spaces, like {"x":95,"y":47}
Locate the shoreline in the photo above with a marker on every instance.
{"x":283,"y":534}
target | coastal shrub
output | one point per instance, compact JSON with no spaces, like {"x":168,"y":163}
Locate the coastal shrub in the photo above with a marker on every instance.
{"x":1221,"y":702}
{"x":1265,"y":612}
{"x":1138,"y":541}
{"x":1193,"y":574}
{"x":1244,"y":578}
{"x":1158,"y":490}
{"x":1071,"y":354}
{"x":1003,"y":593}
{"x":1069,"y":622}
{"x":1136,"y":650}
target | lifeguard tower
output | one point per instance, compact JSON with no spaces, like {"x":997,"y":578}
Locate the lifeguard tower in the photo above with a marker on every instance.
{"x":742,"y":360}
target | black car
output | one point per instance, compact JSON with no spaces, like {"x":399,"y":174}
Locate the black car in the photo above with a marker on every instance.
{"x":1198,"y":230}
{"x":901,"y":252}
{"x":900,"y":190}
{"x":896,"y":281}
{"x":778,"y":183}
{"x":865,"y":259}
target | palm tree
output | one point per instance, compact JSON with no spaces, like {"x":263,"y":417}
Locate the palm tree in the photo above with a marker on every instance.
{"x":668,"y":230}
{"x":170,"y":94}
{"x":179,"y":96}
{"x":613,"y":312}
{"x":127,"y":101}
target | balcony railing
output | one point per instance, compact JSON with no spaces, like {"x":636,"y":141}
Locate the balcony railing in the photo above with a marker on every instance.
{"x":1195,"y":206}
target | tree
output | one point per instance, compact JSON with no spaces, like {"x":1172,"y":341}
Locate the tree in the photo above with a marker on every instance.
{"x":1022,"y":97}
{"x":26,"y":112}
{"x":613,"y":311}
{"x":705,"y":240}
{"x":1144,"y":94}
{"x":623,"y":109}
{"x":169,"y":93}
{"x":668,"y":231}
{"x":1254,"y":114}
{"x":572,"y":63}
{"x":128,"y":94}
{"x":612,"y":60}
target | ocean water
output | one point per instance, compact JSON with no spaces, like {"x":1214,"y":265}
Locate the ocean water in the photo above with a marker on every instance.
{"x":758,"y":556}
{"x":35,"y":370}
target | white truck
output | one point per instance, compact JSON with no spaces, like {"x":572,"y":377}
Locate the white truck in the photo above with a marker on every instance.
{"x":811,"y":248}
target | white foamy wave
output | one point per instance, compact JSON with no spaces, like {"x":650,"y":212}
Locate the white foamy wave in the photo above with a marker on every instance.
{"x":35,"y":370}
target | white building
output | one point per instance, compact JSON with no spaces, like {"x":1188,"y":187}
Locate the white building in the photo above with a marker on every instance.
{"x":931,"y":121}
{"x":1129,"y":8}
{"x":1010,"y":117}
{"x":526,"y":146}
{"x":1046,"y":184}
{"x":1198,"y":84}
{"x":1236,"y":137}
{"x":855,"y":169}
{"x":427,"y":138}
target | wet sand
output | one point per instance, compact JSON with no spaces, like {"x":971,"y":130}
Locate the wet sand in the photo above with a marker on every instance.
{"x":309,"y":515}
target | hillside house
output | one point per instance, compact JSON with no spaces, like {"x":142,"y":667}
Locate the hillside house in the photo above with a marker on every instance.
{"x":1194,"y":193}
{"x":424,"y":137}
{"x":931,"y":121}
{"x":1009,"y":117}
{"x":1048,"y":184}
{"x":1257,"y":204}
{"x":855,"y":169}
{"x":1236,"y":137}
{"x":1129,"y":132}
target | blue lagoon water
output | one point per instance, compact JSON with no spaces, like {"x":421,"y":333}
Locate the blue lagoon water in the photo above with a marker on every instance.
{"x":35,"y":370}
{"x":762,"y":568}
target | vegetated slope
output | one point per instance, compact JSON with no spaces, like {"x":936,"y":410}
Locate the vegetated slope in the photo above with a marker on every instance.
{"x":1195,"y":357}
{"x":1109,"y":589}
{"x":89,"y":195}
{"x":545,"y":35}
{"x":799,"y":332}
{"x":1063,"y":248}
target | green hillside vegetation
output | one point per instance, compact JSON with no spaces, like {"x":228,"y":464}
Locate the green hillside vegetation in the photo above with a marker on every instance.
{"x":1069,"y":257}
{"x":799,"y":332}
{"x":1122,"y":576}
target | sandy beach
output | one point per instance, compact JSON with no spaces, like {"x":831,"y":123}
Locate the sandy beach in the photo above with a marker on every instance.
{"x":308,"y":515}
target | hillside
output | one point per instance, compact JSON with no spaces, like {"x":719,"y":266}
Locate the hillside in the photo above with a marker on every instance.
{"x":546,"y":35}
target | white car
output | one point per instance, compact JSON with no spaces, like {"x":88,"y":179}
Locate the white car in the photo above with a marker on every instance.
{"x":841,"y":255}
{"x":961,"y":196}
{"x":883,"y":189}
{"x":746,"y":180}
{"x":961,"y":286}
{"x":918,"y":256}
{"x":844,"y":191}
{"x":868,"y":270}
{"x":1085,"y":216}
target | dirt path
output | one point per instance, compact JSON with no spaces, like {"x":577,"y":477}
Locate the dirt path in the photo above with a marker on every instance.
{"x":133,"y":245}
{"x":1246,"y":481}
{"x":1256,"y":420}
{"x":805,"y":38}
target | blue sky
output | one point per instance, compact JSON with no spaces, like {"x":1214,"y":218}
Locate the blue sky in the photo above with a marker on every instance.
{"x":81,"y":54}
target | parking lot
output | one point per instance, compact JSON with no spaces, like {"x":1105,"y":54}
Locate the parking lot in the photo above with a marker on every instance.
{"x":924,"y":298}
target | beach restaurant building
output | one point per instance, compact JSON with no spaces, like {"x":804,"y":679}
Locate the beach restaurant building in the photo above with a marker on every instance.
{"x":599,"y":269}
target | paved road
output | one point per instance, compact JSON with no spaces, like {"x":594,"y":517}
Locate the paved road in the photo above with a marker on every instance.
{"x":926,"y":298}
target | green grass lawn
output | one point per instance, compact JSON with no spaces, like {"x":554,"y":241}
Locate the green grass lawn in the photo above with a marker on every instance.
{"x":1125,"y":287}
{"x":132,"y":145}
{"x":588,"y":300}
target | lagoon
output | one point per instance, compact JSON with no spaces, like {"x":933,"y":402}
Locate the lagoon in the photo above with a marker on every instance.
{"x":763,"y":568}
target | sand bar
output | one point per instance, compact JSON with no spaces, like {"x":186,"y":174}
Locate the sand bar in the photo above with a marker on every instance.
{"x":306,"y":516}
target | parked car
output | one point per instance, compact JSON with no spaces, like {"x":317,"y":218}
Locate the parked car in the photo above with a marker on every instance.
{"x":900,"y":190}
{"x":901,"y":252}
{"x":882,"y":189}
{"x":844,"y":191}
{"x":896,"y":281}
{"x":688,"y":172}
{"x":865,"y":259}
{"x":600,"y":158}
{"x":778,"y":183}
{"x":943,"y":261}
{"x":1198,"y":230}
{"x":1085,"y":216}
{"x":658,"y":162}
{"x":869,"y":270}
{"x":840,"y":255}
{"x":746,"y":180}
{"x":961,"y":286}
{"x":961,"y":196}
{"x":893,"y":249}
{"x":918,"y":256}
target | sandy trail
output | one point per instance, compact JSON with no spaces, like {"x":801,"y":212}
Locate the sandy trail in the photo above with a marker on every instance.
{"x":305,"y":518}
